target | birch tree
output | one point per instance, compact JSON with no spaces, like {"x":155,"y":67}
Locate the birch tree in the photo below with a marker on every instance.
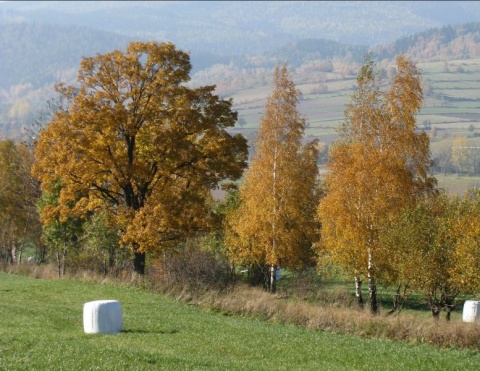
{"x":275,"y":222}
{"x":379,"y":164}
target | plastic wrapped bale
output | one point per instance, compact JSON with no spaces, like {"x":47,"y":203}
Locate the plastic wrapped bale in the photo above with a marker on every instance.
{"x":471,"y":311}
{"x":102,"y":317}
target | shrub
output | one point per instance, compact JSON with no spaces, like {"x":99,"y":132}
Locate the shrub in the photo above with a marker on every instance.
{"x":192,"y":267}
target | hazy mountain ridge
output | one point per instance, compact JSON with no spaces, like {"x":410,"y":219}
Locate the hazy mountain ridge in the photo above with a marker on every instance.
{"x":233,"y":27}
{"x":35,"y":55}
{"x":39,"y":53}
{"x":437,"y":44}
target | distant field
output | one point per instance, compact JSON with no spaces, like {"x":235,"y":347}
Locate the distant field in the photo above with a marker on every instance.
{"x":451,"y":105}
{"x":457,"y":184}
{"x":452,"y":100}
{"x":41,"y":329}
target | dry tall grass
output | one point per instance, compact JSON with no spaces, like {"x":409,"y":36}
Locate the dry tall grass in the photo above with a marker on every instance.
{"x":328,"y":315}
{"x":251,"y":302}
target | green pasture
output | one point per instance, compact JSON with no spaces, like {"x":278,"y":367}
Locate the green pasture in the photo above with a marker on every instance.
{"x":41,"y":329}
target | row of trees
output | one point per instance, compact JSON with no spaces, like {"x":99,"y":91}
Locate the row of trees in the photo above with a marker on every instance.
{"x":129,"y":164}
{"x":435,"y":249}
{"x":377,"y":215}
{"x":379,"y":165}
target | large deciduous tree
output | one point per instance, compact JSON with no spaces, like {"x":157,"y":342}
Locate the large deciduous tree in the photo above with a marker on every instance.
{"x":379,"y":164}
{"x":274,"y":224}
{"x":136,"y":140}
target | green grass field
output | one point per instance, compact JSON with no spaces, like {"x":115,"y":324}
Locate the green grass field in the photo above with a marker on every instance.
{"x":41,"y":329}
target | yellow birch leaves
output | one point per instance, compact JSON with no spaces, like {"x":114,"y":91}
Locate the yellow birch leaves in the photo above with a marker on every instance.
{"x":275,"y":222}
{"x":379,"y":165}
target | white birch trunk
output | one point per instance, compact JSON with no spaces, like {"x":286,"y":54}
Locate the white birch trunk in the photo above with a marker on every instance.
{"x":358,"y":291}
{"x":272,"y":283}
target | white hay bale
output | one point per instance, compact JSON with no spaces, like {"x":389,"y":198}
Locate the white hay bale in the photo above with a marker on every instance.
{"x":102,"y":317}
{"x":471,"y":311}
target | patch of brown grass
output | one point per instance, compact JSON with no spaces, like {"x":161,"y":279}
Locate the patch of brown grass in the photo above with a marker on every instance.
{"x":32,"y":270}
{"x":47,"y":271}
{"x":252,"y":302}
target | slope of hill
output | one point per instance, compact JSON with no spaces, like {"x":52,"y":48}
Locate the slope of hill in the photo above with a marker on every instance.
{"x":308,"y":50}
{"x":39,"y":54}
{"x":437,"y":44}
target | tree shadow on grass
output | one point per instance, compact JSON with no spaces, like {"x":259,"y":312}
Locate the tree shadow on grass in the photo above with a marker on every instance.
{"x":142,"y":331}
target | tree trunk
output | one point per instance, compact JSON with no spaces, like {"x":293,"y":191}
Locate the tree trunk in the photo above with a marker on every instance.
{"x":61,"y":260}
{"x":372,"y":292}
{"x":372,"y":286}
{"x":448,"y":314}
{"x":139,"y":262}
{"x":273,"y":279}
{"x":272,"y":287}
{"x":42,"y":253}
{"x":58,"y":264}
{"x":111,"y":259}
{"x":435,"y":308}
{"x":449,"y":303}
{"x":435,"y":312}
{"x":358,"y":291}
{"x":20,"y":254}
{"x":399,"y":299}
{"x":13,"y":254}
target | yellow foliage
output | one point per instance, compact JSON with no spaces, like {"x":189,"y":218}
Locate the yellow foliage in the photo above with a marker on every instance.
{"x":275,"y":223}
{"x":435,"y":248}
{"x":379,"y":165}
{"x":18,"y":196}
{"x":137,"y":141}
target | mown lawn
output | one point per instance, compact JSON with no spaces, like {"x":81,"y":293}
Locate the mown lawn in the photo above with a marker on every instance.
{"x":41,"y":329}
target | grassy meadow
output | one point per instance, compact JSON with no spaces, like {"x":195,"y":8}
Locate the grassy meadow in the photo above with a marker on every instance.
{"x":42,"y":329}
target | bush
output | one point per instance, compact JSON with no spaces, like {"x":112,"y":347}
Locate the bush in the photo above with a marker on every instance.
{"x":192,"y":267}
